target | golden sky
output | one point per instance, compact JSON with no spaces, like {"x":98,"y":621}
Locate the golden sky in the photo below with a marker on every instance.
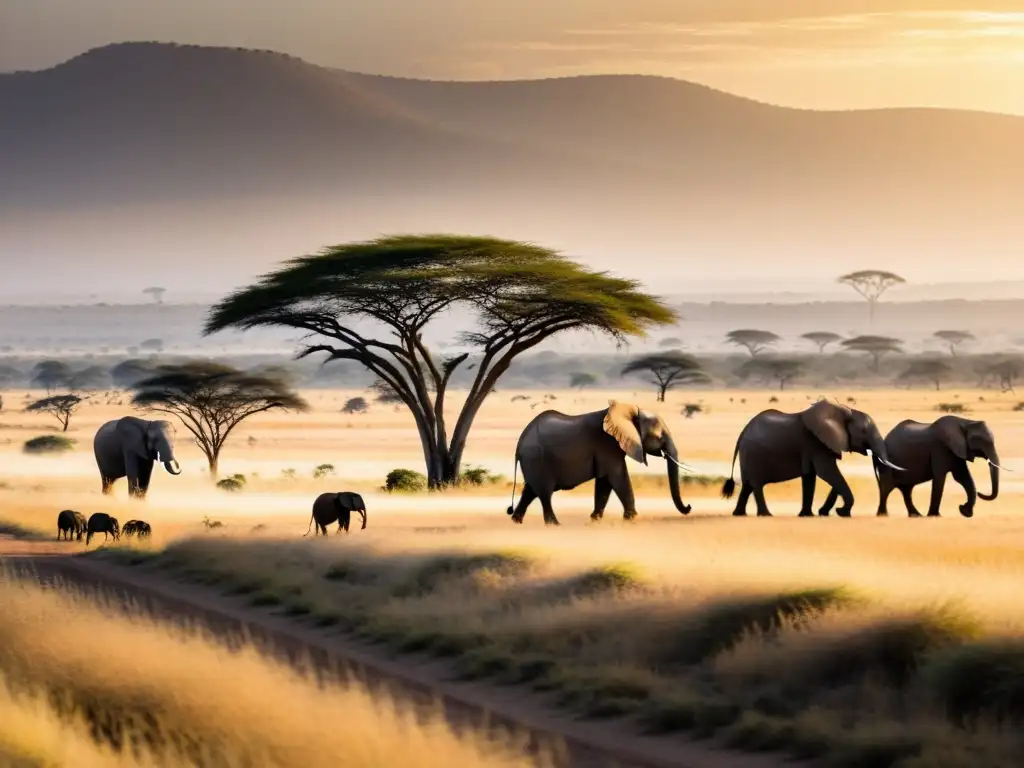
{"x":809,"y":53}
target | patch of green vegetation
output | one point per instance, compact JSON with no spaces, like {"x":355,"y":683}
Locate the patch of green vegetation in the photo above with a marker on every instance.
{"x":405,"y":481}
{"x":454,"y":567}
{"x":48,"y":444}
{"x":979,"y":679}
{"x":232,"y":484}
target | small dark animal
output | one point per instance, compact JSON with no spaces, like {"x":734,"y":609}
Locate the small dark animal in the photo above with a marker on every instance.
{"x":103,"y":523}
{"x":137,"y":527}
{"x":329,"y":507}
{"x":69,"y":521}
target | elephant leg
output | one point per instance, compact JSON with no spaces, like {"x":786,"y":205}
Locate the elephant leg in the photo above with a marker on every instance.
{"x":963,"y":476}
{"x":145,"y":474}
{"x":829,"y":472}
{"x":525,"y":499}
{"x":830,"y":501}
{"x":741,"y":501}
{"x":885,"y":487}
{"x":807,"y":483}
{"x":549,"y":511}
{"x":602,"y":492}
{"x":762,"y":505}
{"x":107,"y":485}
{"x":908,"y":501}
{"x":623,"y":488}
{"x":938,"y":484}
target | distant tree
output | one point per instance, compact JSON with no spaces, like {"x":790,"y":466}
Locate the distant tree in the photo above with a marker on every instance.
{"x":51,"y":375}
{"x":774,"y":369}
{"x":9,"y":375}
{"x":152,"y":345}
{"x":385,"y":392}
{"x":875,"y":346}
{"x":934,"y":371}
{"x":954,"y":339}
{"x":871,"y":284}
{"x":521,"y":294}
{"x":61,"y":407}
{"x":755,"y":341}
{"x":355,"y":405}
{"x":126,"y":374}
{"x":1005,"y":372}
{"x":671,"y":341}
{"x":667,"y":370}
{"x":89,"y":379}
{"x":822,"y":339}
{"x":581,"y":379}
{"x":212,"y":399}
{"x":157,"y":293}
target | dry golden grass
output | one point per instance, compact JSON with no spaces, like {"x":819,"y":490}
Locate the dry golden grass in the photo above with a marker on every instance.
{"x":114,"y":678}
{"x":671,"y":618}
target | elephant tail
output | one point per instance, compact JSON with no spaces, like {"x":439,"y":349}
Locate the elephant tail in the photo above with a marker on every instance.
{"x":515,"y":470}
{"x":310,"y":525}
{"x":729,"y":486}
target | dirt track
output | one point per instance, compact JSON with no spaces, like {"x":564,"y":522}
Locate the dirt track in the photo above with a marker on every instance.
{"x":423,"y":683}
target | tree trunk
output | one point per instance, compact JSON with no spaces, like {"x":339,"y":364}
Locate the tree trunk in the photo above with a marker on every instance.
{"x":214,"y":461}
{"x":661,"y":393}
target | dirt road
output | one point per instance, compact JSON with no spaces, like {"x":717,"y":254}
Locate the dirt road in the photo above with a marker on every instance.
{"x":420,"y":682}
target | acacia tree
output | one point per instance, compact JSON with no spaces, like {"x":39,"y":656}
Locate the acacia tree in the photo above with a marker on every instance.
{"x":212,"y":399}
{"x":822,"y":339}
{"x":781,"y":370}
{"x":581,"y":379}
{"x":954,"y":339}
{"x":520,"y":293}
{"x":667,"y":370}
{"x":9,"y":375}
{"x":755,"y":341}
{"x":51,"y":375}
{"x":871,"y":284}
{"x":1005,"y":371}
{"x":875,"y":346}
{"x":934,"y":371}
{"x":61,"y":407}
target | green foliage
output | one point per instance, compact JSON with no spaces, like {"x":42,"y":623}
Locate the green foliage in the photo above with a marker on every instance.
{"x":405,"y":481}
{"x":48,"y":444}
{"x":61,"y":407}
{"x":232,"y":484}
{"x":479,"y":476}
{"x":322,"y":471}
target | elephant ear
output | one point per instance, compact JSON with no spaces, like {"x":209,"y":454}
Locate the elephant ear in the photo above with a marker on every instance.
{"x":952,"y":434}
{"x":620,"y":423}
{"x":827,"y":421}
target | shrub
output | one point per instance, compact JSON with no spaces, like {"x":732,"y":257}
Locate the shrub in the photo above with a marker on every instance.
{"x":1017,"y":407}
{"x":355,"y":405}
{"x":323,"y":471}
{"x":405,"y":480}
{"x":951,"y":407}
{"x":692,"y":408}
{"x":479,"y":476}
{"x":211,"y":524}
{"x":289,"y":474}
{"x":232,"y":484}
{"x":48,"y":444}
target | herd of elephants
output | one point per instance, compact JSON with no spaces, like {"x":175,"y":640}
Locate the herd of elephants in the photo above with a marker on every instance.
{"x":557,"y":452}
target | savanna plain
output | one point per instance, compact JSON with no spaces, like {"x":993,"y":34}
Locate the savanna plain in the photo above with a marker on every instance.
{"x":853,"y":642}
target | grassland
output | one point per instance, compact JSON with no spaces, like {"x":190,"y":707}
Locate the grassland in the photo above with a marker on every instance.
{"x":866,"y":642}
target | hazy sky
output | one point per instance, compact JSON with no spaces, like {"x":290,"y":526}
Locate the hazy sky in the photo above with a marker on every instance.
{"x":814,"y":53}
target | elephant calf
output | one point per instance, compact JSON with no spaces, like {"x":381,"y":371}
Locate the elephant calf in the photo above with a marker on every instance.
{"x":137,"y":527}
{"x":69,"y":521}
{"x":102,"y":523}
{"x":329,"y":507}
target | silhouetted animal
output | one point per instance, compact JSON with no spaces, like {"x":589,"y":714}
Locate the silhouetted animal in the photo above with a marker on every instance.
{"x":69,"y":521}
{"x":329,"y":507}
{"x":137,"y":527}
{"x":103,"y":523}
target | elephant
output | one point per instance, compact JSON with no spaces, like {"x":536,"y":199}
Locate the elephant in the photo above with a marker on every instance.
{"x":69,"y":521}
{"x":329,"y":507}
{"x":102,"y":523}
{"x":775,"y":447}
{"x":930,"y":452}
{"x":127,"y":447}
{"x":137,"y":527}
{"x":558,"y":452}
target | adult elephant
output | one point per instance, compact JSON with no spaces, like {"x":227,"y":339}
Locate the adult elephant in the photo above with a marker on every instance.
{"x":775,"y":447}
{"x":328,"y":507}
{"x":932,"y":451}
{"x":102,"y":523}
{"x":127,"y":447}
{"x":558,"y":452}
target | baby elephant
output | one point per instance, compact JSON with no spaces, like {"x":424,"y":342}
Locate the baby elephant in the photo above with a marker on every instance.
{"x":103,"y":523}
{"x":329,"y":507}
{"x":137,"y":527}
{"x":69,"y":521}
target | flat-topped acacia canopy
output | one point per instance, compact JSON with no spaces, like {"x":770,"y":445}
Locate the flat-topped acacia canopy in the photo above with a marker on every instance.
{"x":519,"y":293}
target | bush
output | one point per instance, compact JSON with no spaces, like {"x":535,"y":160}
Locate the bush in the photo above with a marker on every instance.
{"x":48,"y":444}
{"x":692,"y":408}
{"x":355,"y":405}
{"x":232,"y":484}
{"x":323,"y":471}
{"x":479,"y":476}
{"x":405,"y":480}
{"x":951,"y":407}
{"x":289,"y":474}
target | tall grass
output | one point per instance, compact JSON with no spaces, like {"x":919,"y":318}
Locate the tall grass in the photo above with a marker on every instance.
{"x":85,"y":684}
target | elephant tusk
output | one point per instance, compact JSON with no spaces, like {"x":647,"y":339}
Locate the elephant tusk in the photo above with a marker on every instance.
{"x":1003,"y":469}
{"x":885,"y":463}
{"x":680,"y":464}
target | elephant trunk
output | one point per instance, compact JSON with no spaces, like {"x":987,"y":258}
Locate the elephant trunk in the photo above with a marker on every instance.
{"x":673,"y":476}
{"x":172,"y":467}
{"x":993,"y":467}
